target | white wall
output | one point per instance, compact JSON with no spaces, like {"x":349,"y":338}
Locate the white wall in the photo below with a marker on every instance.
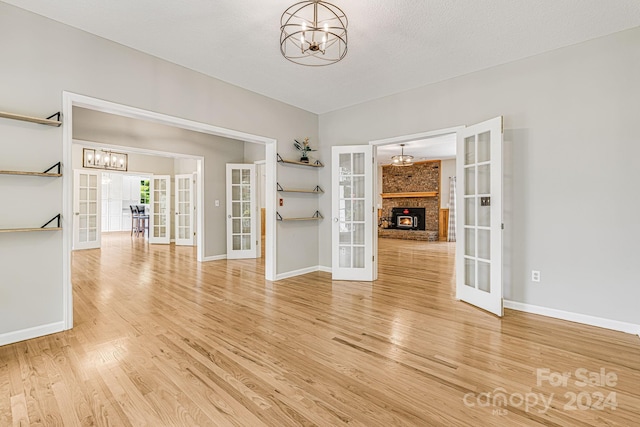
{"x":42,"y":58}
{"x":571,"y":166}
{"x":447,"y":169}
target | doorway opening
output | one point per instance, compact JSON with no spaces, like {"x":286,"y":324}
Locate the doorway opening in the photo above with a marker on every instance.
{"x":109,"y":201}
{"x":413,"y":201}
{"x":71,"y":100}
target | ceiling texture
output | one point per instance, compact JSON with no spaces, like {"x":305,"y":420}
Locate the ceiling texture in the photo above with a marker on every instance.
{"x":393,"y":46}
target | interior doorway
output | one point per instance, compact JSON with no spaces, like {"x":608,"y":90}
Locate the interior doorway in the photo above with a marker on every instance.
{"x":411,"y":202}
{"x":71,"y":100}
{"x":122,"y":201}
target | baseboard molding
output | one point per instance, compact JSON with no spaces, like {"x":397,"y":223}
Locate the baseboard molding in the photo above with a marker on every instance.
{"x":214,"y":258}
{"x":600,"y":322}
{"x":300,"y":272}
{"x":29,"y":333}
{"x":324,"y":269}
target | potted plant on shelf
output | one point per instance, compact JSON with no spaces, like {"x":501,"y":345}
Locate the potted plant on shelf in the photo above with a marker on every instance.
{"x":304,"y":148}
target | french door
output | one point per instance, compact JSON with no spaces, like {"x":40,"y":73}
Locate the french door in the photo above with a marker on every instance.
{"x":479,"y":224}
{"x":160,"y":215}
{"x":242,"y":238}
{"x":184,"y":209}
{"x":86,"y":209}
{"x":352,"y":213}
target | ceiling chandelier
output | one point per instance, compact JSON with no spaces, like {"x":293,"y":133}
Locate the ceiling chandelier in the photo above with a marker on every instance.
{"x":104,"y":159}
{"x":402,"y":159}
{"x":313,"y":33}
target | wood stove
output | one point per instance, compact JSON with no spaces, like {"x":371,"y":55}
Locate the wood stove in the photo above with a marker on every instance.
{"x":408,"y":218}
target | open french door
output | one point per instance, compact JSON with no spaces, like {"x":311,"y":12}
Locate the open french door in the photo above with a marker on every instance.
{"x":352,"y":213}
{"x":242,"y":237}
{"x":160,"y":215}
{"x":479,"y":224}
{"x":86,"y":209}
{"x":184,"y":209}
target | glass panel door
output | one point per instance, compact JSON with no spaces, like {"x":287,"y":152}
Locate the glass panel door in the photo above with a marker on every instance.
{"x":86,"y":212}
{"x":479,"y":248}
{"x":184,"y":209}
{"x":160,"y":215}
{"x":352,"y":207}
{"x":241,"y":220}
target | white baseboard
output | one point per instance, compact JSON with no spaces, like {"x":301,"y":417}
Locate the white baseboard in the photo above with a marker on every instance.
{"x":29,"y":333}
{"x":214,"y":258}
{"x":324,"y":269}
{"x":294,"y":273}
{"x":600,"y":322}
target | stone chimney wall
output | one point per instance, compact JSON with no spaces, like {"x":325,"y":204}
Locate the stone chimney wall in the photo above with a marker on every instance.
{"x":421,"y":177}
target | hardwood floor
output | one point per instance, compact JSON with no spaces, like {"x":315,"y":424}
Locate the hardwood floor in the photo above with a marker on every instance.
{"x":160,"y":340}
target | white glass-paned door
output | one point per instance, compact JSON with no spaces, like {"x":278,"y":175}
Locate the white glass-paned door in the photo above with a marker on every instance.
{"x":241,"y":217}
{"x":86,"y":209}
{"x":184,"y":209}
{"x":352,"y":212}
{"x":479,"y":202}
{"x":160,"y":212}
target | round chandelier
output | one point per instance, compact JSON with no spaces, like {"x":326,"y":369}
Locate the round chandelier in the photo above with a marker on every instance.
{"x":313,"y":33}
{"x":402,"y":159}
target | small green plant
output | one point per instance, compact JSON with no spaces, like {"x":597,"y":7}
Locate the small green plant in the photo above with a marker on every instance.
{"x":304,"y":149}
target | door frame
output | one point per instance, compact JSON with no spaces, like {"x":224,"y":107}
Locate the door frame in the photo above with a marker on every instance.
{"x":70,"y":99}
{"x":398,"y":140}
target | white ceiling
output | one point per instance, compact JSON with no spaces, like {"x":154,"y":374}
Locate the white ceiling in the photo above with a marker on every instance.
{"x":393,"y":45}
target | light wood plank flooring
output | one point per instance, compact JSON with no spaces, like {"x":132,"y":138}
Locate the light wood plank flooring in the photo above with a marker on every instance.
{"x":160,"y":340}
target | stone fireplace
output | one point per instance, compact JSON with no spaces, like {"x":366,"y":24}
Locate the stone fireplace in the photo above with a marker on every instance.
{"x":416,"y":190}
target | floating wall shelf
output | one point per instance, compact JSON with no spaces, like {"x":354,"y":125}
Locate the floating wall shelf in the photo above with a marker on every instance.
{"x":49,"y":121}
{"x":316,"y":216}
{"x":316,"y":190}
{"x":45,"y":173}
{"x":316,"y":164}
{"x":43,"y":228}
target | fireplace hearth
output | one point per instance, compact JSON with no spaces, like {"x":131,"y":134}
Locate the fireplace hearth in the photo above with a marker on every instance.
{"x":408,"y":218}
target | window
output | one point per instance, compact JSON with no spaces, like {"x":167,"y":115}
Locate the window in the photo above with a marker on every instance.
{"x":144,"y":191}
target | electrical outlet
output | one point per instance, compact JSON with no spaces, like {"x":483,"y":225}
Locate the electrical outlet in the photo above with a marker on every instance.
{"x":535,"y":275}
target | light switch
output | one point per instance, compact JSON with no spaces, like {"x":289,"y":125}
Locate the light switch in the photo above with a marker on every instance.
{"x":217,"y":203}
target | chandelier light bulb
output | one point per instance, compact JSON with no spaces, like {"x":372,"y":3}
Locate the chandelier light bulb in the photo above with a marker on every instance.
{"x":321,"y":47}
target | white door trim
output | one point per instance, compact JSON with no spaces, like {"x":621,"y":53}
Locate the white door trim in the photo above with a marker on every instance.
{"x":70,"y":99}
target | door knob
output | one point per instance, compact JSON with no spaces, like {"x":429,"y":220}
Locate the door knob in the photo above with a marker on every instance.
{"x":76,"y":213}
{"x":335,"y":219}
{"x":229,"y":216}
